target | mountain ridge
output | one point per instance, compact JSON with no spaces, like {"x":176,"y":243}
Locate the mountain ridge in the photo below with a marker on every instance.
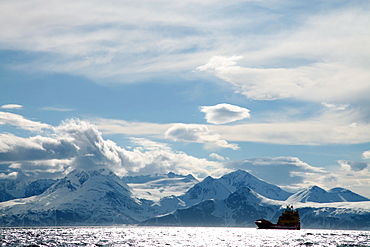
{"x":100,"y":197}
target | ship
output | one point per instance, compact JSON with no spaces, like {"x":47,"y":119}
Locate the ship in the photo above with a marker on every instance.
{"x":289,"y":219}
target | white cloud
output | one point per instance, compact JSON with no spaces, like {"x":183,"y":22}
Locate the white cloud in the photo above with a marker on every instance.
{"x":218,"y":157}
{"x":353,"y":166}
{"x":366,"y":155}
{"x":11,"y":175}
{"x":107,"y":40}
{"x":79,"y":144}
{"x":340,"y":107}
{"x":327,"y":127}
{"x":152,"y":157}
{"x":296,"y":133}
{"x":50,"y":168}
{"x":14,"y":148}
{"x":11,"y":106}
{"x":220,"y":64}
{"x":354,"y":175}
{"x":224,"y":113}
{"x":308,"y":82}
{"x":20,"y":121}
{"x":117,"y":126}
{"x":288,"y":172}
{"x":325,"y":53}
{"x":110,"y":39}
{"x":199,"y":134}
{"x":52,"y":108}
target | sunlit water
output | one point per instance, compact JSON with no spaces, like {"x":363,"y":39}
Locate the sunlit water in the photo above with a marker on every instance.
{"x":178,"y":236}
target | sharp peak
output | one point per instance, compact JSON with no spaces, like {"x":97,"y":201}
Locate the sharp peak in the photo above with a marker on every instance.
{"x":315,"y":187}
{"x":92,"y":172}
{"x":239,"y":172}
{"x":208,"y":178}
{"x":338,"y":189}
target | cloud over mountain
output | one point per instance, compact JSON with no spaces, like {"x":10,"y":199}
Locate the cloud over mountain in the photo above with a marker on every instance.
{"x":78,"y":144}
{"x":295,"y":172}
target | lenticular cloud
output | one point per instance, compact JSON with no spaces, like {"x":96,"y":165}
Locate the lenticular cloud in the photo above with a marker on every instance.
{"x":224,"y":113}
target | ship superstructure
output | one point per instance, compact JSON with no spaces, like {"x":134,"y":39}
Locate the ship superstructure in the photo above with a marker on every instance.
{"x":289,"y":219}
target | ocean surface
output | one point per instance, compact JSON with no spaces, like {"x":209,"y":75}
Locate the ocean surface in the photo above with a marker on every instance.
{"x":178,"y":236}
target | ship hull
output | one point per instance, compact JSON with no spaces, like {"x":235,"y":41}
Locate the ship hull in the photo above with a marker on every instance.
{"x":265,"y":224}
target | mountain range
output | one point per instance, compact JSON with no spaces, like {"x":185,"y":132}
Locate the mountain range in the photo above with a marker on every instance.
{"x":100,"y":197}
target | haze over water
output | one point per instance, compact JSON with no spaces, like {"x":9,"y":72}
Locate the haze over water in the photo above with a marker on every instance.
{"x":178,"y":236}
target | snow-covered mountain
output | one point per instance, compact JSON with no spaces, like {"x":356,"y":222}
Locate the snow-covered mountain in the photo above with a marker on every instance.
{"x":317,"y":194}
{"x":221,"y":188}
{"x":81,"y":198}
{"x":157,"y":186}
{"x":23,"y":187}
{"x":244,"y":206}
{"x":347,"y":195}
{"x":99,"y":197}
{"x":240,"y":208}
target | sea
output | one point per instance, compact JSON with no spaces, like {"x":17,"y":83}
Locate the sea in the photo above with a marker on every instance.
{"x":178,"y":236}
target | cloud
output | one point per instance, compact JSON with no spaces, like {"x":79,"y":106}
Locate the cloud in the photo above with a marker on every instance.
{"x":20,"y":121}
{"x":146,"y":158}
{"x":110,"y":39}
{"x":131,"y":128}
{"x":311,"y":132}
{"x":218,"y":157}
{"x":153,"y":157}
{"x":11,"y":175}
{"x":334,"y":106}
{"x":326,"y":127}
{"x":321,"y":54}
{"x":354,"y":175}
{"x":79,"y":144}
{"x":51,"y":108}
{"x":288,"y":172}
{"x":224,"y":113}
{"x":220,"y":64}
{"x":11,"y":106}
{"x":199,"y":134}
{"x":14,"y":148}
{"x":366,"y":155}
{"x":303,"y":83}
{"x":52,"y":168}
{"x":353,"y":166}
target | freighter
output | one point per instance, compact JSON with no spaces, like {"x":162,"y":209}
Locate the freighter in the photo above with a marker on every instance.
{"x":289,"y":219}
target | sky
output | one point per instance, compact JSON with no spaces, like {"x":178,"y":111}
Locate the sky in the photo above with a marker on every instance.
{"x":277,"y":88}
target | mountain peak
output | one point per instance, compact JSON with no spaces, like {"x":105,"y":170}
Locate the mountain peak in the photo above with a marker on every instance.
{"x":317,"y":194}
{"x":240,"y":178}
{"x":347,"y":195}
{"x":78,"y":177}
{"x":337,"y":190}
{"x":316,"y":189}
{"x":208,"y":179}
{"x":171,"y":175}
